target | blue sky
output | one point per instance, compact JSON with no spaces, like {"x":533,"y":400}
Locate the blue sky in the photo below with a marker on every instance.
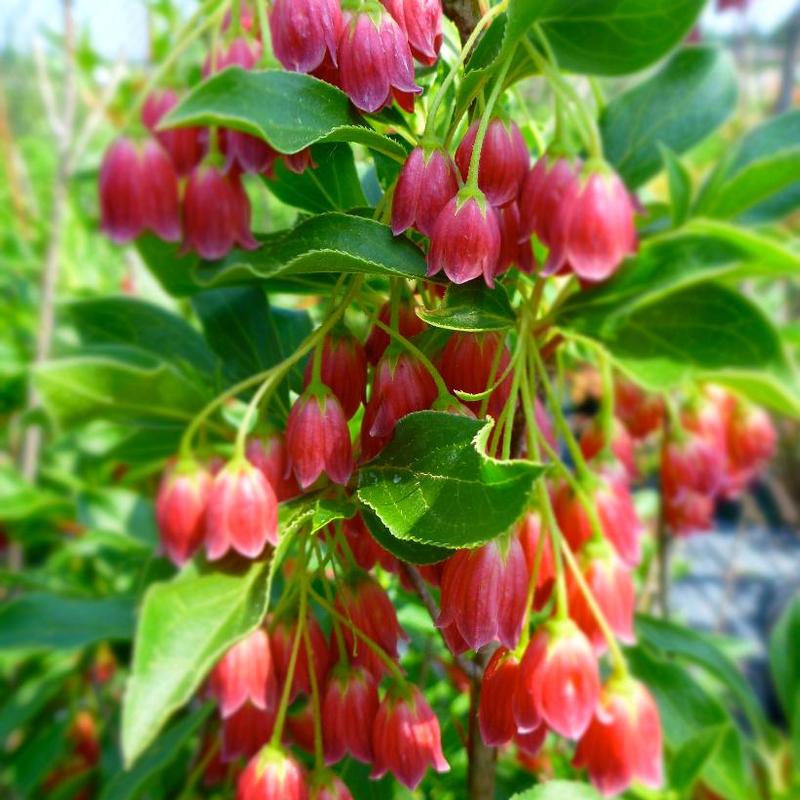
{"x":119,"y":29}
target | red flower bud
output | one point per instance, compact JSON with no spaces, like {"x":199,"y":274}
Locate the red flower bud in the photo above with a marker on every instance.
{"x":330,"y":787}
{"x":408,"y":323}
{"x":216,"y":214}
{"x":272,"y":775}
{"x":515,"y":249}
{"x":594,"y":230}
{"x":241,"y":52}
{"x":366,"y":551}
{"x":484,"y":592}
{"x":343,"y":370}
{"x":622,"y":446}
{"x":367,"y":605}
{"x":687,"y":512}
{"x":245,"y":675}
{"x":242,"y":512}
{"x":282,"y":637}
{"x":249,"y":153}
{"x":180,"y":510}
{"x":504,"y":160}
{"x":427,"y":182}
{"x":375,"y":63}
{"x":618,"y":518}
{"x":245,"y":732}
{"x":751,"y":442}
{"x":470,"y":363}
{"x":318,"y":440}
{"x":184,"y":145}
{"x":269,"y":456}
{"x":530,"y":532}
{"x":348,"y":713}
{"x":640,"y":412}
{"x":611,"y":585}
{"x":304,"y":32}
{"x":465,"y":242}
{"x":694,"y":463}
{"x":495,"y":710}
{"x":406,"y":738}
{"x":421,"y":21}
{"x":623,"y":742}
{"x":559,"y":676}
{"x":160,"y":193}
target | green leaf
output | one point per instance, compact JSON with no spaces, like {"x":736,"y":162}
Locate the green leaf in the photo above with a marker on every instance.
{"x":64,"y":623}
{"x":433,"y":484}
{"x":186,"y":625}
{"x":679,"y":106}
{"x":328,"y":243}
{"x":412,"y":552}
{"x":472,"y":307}
{"x":689,"y":760}
{"x":134,"y":783}
{"x":759,"y":180}
{"x":332,"y":186}
{"x":680,"y":186}
{"x":559,"y":790}
{"x":784,"y":659}
{"x":143,"y":325}
{"x":20,"y":500}
{"x":289,"y":110}
{"x":125,"y":385}
{"x":705,"y":332}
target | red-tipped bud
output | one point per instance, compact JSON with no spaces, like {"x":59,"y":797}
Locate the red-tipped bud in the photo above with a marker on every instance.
{"x":348,"y":713}
{"x":427,"y":182}
{"x":406,"y":738}
{"x":408,"y":323}
{"x":245,"y":675}
{"x":367,"y":605}
{"x":611,"y":585}
{"x":245,"y":732}
{"x":617,"y":515}
{"x":282,"y":637}
{"x":375,"y":63}
{"x":343,"y":370}
{"x":268,"y":454}
{"x":624,"y":742}
{"x":304,"y":32}
{"x":640,"y":412}
{"x":180,"y":510}
{"x":559,"y":677}
{"x":242,"y":512}
{"x":465,"y":242}
{"x":484,"y":592}
{"x":318,"y":440}
{"x":470,"y":363}
{"x":216,"y":214}
{"x":272,"y":775}
{"x":421,"y":22}
{"x":495,"y":710}
{"x":594,"y":230}
{"x":504,"y":160}
{"x":622,"y":445}
{"x":184,"y":145}
{"x":402,"y":385}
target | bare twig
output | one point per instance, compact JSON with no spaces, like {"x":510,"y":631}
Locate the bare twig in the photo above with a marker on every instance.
{"x":465,"y":14}
{"x":482,"y":759}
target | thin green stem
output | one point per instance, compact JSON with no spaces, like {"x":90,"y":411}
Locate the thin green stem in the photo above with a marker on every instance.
{"x":606,"y":402}
{"x":550,"y":523}
{"x":319,"y":757}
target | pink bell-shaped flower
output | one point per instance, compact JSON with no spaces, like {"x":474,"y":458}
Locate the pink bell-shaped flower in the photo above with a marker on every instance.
{"x":242,"y":512}
{"x":349,"y":707}
{"x":504,"y":160}
{"x":408,"y":324}
{"x":160,"y":192}
{"x":495,"y":710}
{"x":421,"y":21}
{"x":282,"y":638}
{"x":245,"y":732}
{"x":343,"y":369}
{"x":184,"y":145}
{"x":121,"y":204}
{"x":640,"y":412}
{"x":406,"y":738}
{"x":304,"y":32}
{"x":318,"y":440}
{"x":268,"y":454}
{"x":272,"y":775}
{"x":465,"y":242}
{"x":426,"y":183}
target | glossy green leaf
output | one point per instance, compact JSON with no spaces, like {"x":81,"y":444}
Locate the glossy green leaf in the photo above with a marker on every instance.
{"x":433,"y":484}
{"x":404,"y":549}
{"x":135,"y":782}
{"x":326,"y":244}
{"x":186,"y":625}
{"x":21,"y":500}
{"x":142,"y":325}
{"x":63,"y":623}
{"x":704,"y":332}
{"x":559,"y":790}
{"x":679,"y":106}
{"x":333,"y":185}
{"x":120,"y":384}
{"x":472,"y":307}
{"x":289,"y":110}
{"x":759,"y":179}
{"x":689,"y":760}
{"x":680,"y":186}
{"x":784,"y":659}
